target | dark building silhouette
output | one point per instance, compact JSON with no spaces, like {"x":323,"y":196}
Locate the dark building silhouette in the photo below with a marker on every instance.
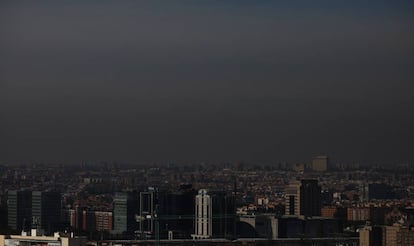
{"x":79,"y":221}
{"x":303,"y":198}
{"x":153,"y":213}
{"x":380,"y":191}
{"x":46,"y":209}
{"x":410,"y":216}
{"x":266,"y":226}
{"x":245,"y":230}
{"x":19,"y":206}
{"x":176,"y":212}
{"x":290,"y":227}
{"x":88,"y":220}
{"x":294,"y":227}
{"x":72,"y":218}
{"x":327,"y":197}
{"x":224,"y":214}
{"x":310,"y":198}
{"x":377,"y":215}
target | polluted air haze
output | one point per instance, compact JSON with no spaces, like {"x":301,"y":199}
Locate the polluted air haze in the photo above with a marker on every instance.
{"x":260,"y":81}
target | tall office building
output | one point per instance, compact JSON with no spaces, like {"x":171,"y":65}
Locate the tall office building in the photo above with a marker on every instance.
{"x":176,"y":211}
{"x":126,"y":212}
{"x":292,"y":199}
{"x":120,"y":213}
{"x":303,"y":198}
{"x":19,"y":206}
{"x":203,"y":215}
{"x":381,"y":191}
{"x":147,"y":211}
{"x":224,"y":214}
{"x":153,"y":213}
{"x":214,"y":215}
{"x":46,"y":208}
{"x":320,"y":163}
{"x":310,"y":198}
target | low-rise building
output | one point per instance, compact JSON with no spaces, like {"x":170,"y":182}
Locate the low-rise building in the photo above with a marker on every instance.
{"x":55,"y":240}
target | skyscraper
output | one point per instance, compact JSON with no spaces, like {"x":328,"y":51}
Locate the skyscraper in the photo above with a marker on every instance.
{"x":292,"y":199}
{"x":310,"y":198}
{"x":120,"y":213}
{"x":203,"y":215}
{"x":126,"y":212}
{"x":147,"y":211}
{"x":176,"y":210}
{"x":46,"y":208}
{"x":19,"y":206}
{"x":223,"y":209}
{"x":214,"y":215}
{"x":303,"y":198}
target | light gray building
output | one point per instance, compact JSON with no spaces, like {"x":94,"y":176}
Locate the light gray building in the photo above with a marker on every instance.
{"x":203,"y":215}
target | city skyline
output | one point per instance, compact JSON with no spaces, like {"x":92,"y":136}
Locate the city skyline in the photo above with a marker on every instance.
{"x":218,"y":203}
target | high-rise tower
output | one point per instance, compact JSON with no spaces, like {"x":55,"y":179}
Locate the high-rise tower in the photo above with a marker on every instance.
{"x":126,"y":212}
{"x":46,"y":208}
{"x":214,"y":214}
{"x":292,"y":196}
{"x":203,"y":213}
{"x":19,"y":206}
{"x":310,"y":198}
{"x":303,"y":198}
{"x":148,"y":211}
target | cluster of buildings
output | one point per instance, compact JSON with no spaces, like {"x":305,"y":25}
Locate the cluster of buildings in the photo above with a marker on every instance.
{"x":395,"y":235}
{"x":154,"y":214}
{"x":147,"y":214}
{"x":34,"y":210}
{"x":347,"y":203}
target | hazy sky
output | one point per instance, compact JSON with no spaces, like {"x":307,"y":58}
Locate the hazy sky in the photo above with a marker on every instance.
{"x":213,"y":80}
